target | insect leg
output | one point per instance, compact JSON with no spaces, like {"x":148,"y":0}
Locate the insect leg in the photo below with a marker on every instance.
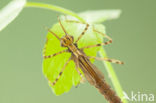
{"x":96,"y":45}
{"x":44,"y":49}
{"x":83,"y":32}
{"x":53,"y":83}
{"x":52,"y":55}
{"x":105,"y":43}
{"x":107,"y":59}
{"x":72,"y":21}
{"x":103,"y":34}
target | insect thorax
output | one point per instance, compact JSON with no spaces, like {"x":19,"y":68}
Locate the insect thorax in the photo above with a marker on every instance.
{"x":67,"y":40}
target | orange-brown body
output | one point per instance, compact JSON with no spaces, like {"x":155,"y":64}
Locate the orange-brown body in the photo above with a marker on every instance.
{"x":92,"y":74}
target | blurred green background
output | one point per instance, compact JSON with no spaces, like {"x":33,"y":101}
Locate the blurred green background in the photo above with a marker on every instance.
{"x":21,"y":43}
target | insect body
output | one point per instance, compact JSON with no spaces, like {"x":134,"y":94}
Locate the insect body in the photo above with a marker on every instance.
{"x":91,"y":73}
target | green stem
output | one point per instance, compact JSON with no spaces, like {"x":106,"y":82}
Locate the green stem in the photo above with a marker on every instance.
{"x":112,"y":75}
{"x":54,"y":8}
{"x":102,"y":52}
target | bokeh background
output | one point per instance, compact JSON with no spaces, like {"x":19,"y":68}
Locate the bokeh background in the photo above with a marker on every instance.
{"x":21,"y":43}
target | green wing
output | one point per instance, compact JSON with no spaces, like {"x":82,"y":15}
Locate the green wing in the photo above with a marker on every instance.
{"x":53,"y":66}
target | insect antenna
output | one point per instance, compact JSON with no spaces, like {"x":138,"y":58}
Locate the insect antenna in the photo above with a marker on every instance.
{"x":52,"y":33}
{"x":61,"y":25}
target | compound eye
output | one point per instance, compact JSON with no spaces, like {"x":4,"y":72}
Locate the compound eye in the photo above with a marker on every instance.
{"x":68,"y":38}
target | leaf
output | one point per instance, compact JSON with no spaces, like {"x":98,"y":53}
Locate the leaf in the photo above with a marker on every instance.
{"x":52,"y":66}
{"x":10,"y":12}
{"x":99,"y":16}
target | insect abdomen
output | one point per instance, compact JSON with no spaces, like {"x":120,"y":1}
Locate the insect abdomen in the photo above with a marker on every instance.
{"x":108,"y":93}
{"x":96,"y":78}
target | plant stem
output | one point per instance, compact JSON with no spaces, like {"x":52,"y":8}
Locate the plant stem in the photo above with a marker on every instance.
{"x":54,"y":8}
{"x":102,"y":52}
{"x":112,"y":75}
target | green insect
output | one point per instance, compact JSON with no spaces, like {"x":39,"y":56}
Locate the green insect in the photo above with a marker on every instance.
{"x":69,"y":52}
